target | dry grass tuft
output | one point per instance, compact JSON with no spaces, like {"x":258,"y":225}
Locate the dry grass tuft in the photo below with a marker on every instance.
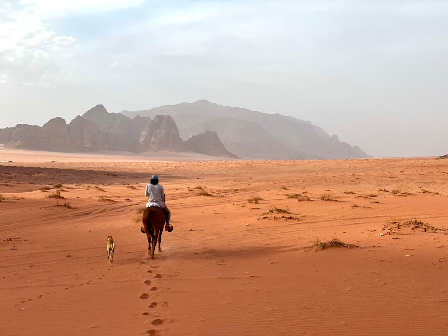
{"x":395,"y":192}
{"x":335,"y":242}
{"x":349,"y":192}
{"x":383,"y":190}
{"x":413,"y":225}
{"x":56,"y":195}
{"x":204,"y":193}
{"x":65,"y":205}
{"x":254,"y":199}
{"x":284,"y":188}
{"x":274,"y":209}
{"x":328,"y":198}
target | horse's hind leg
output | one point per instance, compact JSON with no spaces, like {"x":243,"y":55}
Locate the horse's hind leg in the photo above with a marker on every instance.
{"x":154,"y":242}
{"x":149,"y":242}
{"x":160,"y":239}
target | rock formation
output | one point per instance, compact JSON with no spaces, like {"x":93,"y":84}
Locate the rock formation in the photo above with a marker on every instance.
{"x":99,"y":130}
{"x":207,"y":143}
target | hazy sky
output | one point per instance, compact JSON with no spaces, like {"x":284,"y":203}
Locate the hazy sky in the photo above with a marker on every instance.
{"x":373,"y":72}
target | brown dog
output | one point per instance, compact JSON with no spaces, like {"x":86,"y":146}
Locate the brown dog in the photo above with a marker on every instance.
{"x":110,"y":248}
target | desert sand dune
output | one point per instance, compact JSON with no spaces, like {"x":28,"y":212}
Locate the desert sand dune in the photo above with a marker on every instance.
{"x":242,"y":258}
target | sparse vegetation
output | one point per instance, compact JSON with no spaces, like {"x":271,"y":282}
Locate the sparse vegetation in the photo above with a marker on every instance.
{"x":45,"y":189}
{"x":204,"y":193}
{"x":65,"y":205}
{"x":274,"y":209}
{"x":56,"y":195}
{"x":372,"y":195}
{"x":349,"y":192}
{"x":254,"y":199}
{"x":58,"y":186}
{"x":293,"y":195}
{"x":328,"y":198}
{"x":383,"y":190}
{"x":199,"y":188}
{"x":355,"y":206}
{"x":335,"y":242}
{"x":395,"y":192}
{"x":413,"y":224}
{"x":284,"y":188}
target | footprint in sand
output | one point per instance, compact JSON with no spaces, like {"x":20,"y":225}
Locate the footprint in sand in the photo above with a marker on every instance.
{"x":158,"y":276}
{"x":157,"y":322}
{"x":147,"y":282}
{"x":153,"y":305}
{"x":149,"y":271}
{"x":145,"y":313}
{"x":144,"y":296}
{"x":153,"y":332}
{"x":153,"y":289}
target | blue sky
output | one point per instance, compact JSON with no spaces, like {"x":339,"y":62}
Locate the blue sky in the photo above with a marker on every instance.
{"x":373,"y":72}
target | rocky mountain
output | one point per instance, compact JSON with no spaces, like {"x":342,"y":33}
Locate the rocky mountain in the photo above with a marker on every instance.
{"x":99,"y":130}
{"x":207,"y":143}
{"x":251,"y":134}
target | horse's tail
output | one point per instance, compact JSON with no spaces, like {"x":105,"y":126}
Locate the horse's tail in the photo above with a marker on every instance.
{"x":147,"y":220}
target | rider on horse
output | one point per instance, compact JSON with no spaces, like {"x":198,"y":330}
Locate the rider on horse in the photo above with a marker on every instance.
{"x":156,"y":197}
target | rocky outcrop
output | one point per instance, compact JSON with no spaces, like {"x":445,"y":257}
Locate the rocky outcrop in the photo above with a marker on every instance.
{"x":161,"y":133}
{"x":99,"y":130}
{"x":208,"y":143}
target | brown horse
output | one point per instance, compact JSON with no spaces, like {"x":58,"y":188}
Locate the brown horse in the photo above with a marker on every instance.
{"x":153,"y":222}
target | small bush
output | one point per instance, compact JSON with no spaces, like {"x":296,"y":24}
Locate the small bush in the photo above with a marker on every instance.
{"x":355,"y":206}
{"x":372,"y":195}
{"x":276,"y":210}
{"x":199,"y":188}
{"x":56,"y":195}
{"x":327,"y":198}
{"x":395,"y":192}
{"x":349,"y":192}
{"x":383,"y":190}
{"x":293,"y":195}
{"x":335,"y":242}
{"x":204,"y":193}
{"x":254,"y":199}
{"x":65,"y":205}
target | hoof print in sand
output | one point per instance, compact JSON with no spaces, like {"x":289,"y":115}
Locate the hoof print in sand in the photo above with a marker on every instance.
{"x":147,"y":282}
{"x":153,"y":305}
{"x":157,"y":322}
{"x":153,"y":332}
{"x":158,"y":276}
{"x":153,"y":289}
{"x":144,"y":296}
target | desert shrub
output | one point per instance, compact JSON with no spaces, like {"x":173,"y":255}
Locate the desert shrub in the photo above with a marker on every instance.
{"x":204,"y":193}
{"x":274,"y":209}
{"x":349,"y":192}
{"x":56,"y":195}
{"x":335,"y":242}
{"x":395,"y":192}
{"x":413,"y":224}
{"x":293,"y":195}
{"x":65,"y":205}
{"x":45,"y":189}
{"x":372,"y":195}
{"x":327,"y":198}
{"x":284,"y":188}
{"x":199,"y":188}
{"x":383,"y":190}
{"x":355,"y":206}
{"x":254,"y":199}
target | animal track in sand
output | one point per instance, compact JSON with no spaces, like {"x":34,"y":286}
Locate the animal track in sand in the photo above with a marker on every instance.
{"x":153,"y":332}
{"x":149,"y":271}
{"x":153,"y":305}
{"x":153,"y":289}
{"x":147,"y":282}
{"x":145,"y":313}
{"x":144,"y":296}
{"x":158,"y":276}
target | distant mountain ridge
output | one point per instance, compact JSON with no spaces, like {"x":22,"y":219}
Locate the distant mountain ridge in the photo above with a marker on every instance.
{"x":255,"y":135}
{"x":98,"y":130}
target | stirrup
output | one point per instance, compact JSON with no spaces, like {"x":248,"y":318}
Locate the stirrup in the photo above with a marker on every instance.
{"x":142,"y":229}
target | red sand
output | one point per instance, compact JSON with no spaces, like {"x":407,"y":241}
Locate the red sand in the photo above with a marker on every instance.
{"x":227,"y":268}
